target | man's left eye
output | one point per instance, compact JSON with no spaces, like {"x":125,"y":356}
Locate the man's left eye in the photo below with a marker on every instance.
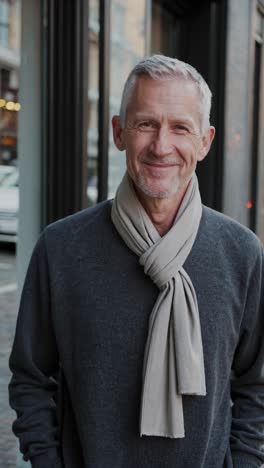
{"x":180,"y":129}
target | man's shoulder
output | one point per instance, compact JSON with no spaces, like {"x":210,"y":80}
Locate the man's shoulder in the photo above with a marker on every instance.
{"x":230,"y":234}
{"x":74,"y":226}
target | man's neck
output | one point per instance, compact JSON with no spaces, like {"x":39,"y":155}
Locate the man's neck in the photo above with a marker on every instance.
{"x":162,"y":211}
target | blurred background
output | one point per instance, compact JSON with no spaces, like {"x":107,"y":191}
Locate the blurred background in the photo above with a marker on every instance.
{"x":62,"y":68}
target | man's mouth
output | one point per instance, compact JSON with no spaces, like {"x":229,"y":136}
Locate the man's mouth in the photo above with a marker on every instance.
{"x":162,"y":165}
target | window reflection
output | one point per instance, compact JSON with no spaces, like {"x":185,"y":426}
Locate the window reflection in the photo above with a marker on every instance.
{"x":93,"y":95}
{"x":165,"y":31}
{"x":10,"y":20}
{"x":9,"y":80}
{"x":130,"y":23}
{"x":128,"y":46}
{"x":257,"y":131}
{"x":4,"y":22}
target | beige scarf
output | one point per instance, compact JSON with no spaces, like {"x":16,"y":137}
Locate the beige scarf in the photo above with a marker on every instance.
{"x":173,"y":362}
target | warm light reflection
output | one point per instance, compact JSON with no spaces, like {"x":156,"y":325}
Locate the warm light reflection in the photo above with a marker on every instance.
{"x":249,"y":204}
{"x":10,"y":105}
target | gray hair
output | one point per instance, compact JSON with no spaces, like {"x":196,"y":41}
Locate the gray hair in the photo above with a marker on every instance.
{"x":160,"y":67}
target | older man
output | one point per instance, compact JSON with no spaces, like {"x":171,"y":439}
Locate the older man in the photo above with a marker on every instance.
{"x":139,"y":341}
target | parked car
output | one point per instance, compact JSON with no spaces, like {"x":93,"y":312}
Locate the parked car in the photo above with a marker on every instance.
{"x":5,"y":171}
{"x":9,"y":203}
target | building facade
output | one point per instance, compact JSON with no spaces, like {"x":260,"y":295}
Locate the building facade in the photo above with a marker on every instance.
{"x":75,"y":57}
{"x":66,"y":82}
{"x":221,"y":38}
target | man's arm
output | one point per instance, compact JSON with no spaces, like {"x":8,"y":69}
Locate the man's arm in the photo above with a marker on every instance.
{"x":247,"y":384}
{"x":34,"y":359}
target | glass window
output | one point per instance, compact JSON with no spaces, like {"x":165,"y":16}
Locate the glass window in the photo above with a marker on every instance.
{"x":10,"y":18}
{"x":128,"y":46}
{"x":93,"y":69}
{"x":166,"y":29}
{"x":258,"y":133}
{"x":9,"y":107}
{"x":4,"y":22}
{"x":132,"y":22}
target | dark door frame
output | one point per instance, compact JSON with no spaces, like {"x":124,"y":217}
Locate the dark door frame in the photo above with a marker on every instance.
{"x":64,"y":103}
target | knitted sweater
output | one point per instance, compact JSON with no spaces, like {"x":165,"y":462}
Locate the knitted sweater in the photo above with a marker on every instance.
{"x":79,"y":345}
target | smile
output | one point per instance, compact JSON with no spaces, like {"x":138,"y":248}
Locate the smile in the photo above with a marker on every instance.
{"x":162,"y":166}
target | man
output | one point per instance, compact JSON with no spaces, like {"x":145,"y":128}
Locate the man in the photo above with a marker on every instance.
{"x":139,"y":340}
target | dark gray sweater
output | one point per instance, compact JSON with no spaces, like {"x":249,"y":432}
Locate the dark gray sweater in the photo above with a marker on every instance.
{"x":79,"y":345}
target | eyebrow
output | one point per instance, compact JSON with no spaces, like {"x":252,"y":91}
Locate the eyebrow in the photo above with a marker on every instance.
{"x":174,"y":120}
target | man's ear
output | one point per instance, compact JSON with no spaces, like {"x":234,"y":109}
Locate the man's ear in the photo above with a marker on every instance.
{"x":118,"y":133}
{"x":207,"y":140}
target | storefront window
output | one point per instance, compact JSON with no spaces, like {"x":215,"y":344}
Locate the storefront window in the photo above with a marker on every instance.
{"x":138,"y":27}
{"x":9,"y":80}
{"x":4,"y":22}
{"x":10,"y":19}
{"x":9,"y":107}
{"x":128,"y":46}
{"x":258,"y":133}
{"x":93,"y":95}
{"x":165,"y":31}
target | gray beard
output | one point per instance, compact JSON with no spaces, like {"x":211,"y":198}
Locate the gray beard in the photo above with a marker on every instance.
{"x":141,"y":184}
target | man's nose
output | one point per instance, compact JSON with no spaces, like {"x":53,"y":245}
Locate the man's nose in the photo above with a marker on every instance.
{"x":161,"y":144}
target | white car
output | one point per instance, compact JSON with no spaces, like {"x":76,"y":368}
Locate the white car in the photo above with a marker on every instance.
{"x":9,"y":204}
{"x":5,"y":171}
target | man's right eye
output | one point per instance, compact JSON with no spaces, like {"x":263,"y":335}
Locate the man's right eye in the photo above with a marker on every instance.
{"x":146,"y":125}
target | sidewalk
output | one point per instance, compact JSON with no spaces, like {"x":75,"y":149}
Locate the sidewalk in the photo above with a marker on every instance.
{"x":8,"y":313}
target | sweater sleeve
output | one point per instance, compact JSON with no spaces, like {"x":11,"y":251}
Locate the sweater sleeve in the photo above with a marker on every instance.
{"x":34,"y":363}
{"x":247,"y":383}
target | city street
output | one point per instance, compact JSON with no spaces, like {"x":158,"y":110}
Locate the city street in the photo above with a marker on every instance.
{"x":8,"y":312}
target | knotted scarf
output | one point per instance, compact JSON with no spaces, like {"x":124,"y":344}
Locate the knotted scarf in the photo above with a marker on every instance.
{"x":173,"y":361}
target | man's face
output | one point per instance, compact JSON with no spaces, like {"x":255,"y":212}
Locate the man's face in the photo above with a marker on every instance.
{"x":162,"y":136}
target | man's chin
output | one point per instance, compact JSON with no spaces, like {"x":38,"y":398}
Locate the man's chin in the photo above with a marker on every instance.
{"x":156,"y":188}
{"x":157,"y":191}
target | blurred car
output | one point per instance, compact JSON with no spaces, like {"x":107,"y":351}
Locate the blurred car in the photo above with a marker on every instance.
{"x":92,"y":191}
{"x":9,"y":203}
{"x":5,"y":171}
